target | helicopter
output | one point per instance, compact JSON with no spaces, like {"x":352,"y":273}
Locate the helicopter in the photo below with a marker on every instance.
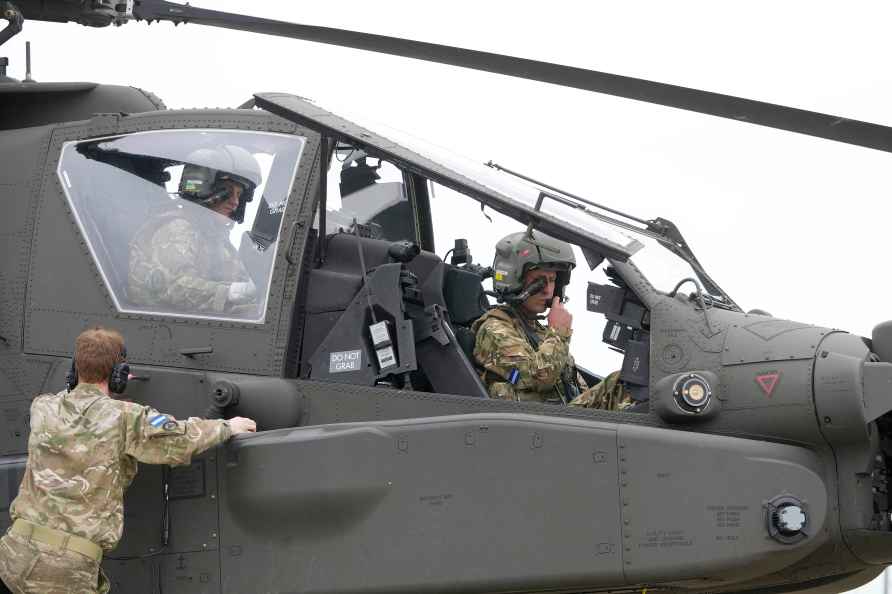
{"x":759,"y":466}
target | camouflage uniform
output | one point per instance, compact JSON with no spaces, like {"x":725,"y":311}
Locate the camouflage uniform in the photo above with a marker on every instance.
{"x":184,"y":261}
{"x":514,"y":370}
{"x":82,"y":456}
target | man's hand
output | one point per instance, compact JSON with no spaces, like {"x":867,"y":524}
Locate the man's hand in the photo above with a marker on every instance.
{"x":242,"y":292}
{"x":558,"y":316}
{"x":240,"y":425}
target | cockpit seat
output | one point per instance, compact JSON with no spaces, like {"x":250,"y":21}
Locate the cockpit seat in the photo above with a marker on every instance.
{"x":465,"y":302}
{"x":331,"y":295}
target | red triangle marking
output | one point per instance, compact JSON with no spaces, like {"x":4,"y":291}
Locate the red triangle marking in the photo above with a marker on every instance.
{"x":768,"y":381}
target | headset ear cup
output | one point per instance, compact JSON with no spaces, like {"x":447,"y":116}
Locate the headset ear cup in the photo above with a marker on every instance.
{"x":71,"y":376}
{"x":117,"y":383}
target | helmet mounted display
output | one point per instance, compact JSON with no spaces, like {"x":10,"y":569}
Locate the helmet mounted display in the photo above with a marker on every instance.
{"x":518,"y":253}
{"x":206,"y":171}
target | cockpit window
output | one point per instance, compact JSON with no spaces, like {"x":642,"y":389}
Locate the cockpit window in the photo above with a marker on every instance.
{"x":371,"y":192}
{"x":497,"y":189}
{"x":183,"y":222}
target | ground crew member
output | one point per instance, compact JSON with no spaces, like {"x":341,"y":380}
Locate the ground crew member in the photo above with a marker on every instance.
{"x":521,"y":358}
{"x":82,"y":456}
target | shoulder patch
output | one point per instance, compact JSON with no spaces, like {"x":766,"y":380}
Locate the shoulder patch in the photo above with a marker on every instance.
{"x":158,"y":420}
{"x":513,"y":376}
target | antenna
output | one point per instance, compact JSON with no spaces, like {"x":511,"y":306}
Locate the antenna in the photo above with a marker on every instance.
{"x":28,"y":62}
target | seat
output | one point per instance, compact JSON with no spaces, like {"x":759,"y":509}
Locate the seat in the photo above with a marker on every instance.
{"x":331,"y":295}
{"x":465,"y":302}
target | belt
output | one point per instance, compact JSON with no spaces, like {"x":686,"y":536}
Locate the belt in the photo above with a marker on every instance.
{"x":57,"y":538}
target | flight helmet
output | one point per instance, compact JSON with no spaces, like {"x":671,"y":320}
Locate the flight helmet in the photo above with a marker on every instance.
{"x":520,"y":252}
{"x":206,"y":169}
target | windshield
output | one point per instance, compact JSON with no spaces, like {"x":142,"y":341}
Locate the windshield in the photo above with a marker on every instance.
{"x":583,"y":223}
{"x":499,"y":190}
{"x":510,"y":186}
{"x":662,"y":268}
{"x":370,"y":192}
{"x":183,"y":222}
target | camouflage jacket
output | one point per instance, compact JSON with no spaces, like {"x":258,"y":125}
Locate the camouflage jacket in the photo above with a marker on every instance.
{"x":183,"y":260}
{"x":513,"y":369}
{"x":83,"y":453}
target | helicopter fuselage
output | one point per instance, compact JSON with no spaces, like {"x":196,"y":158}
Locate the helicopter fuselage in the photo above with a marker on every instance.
{"x":757,"y":464}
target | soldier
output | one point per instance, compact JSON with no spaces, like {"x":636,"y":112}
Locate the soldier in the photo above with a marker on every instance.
{"x":182,"y":259}
{"x":82,"y":456}
{"x":521,"y":358}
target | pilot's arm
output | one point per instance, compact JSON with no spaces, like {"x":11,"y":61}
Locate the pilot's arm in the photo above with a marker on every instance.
{"x":157,"y":438}
{"x":175,"y":252}
{"x":508,"y":356}
{"x":608,"y":394}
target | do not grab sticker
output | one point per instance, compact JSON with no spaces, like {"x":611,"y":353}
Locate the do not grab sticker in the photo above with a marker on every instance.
{"x":342,"y":361}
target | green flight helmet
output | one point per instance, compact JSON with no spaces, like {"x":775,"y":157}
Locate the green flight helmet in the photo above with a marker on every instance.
{"x":520,"y":252}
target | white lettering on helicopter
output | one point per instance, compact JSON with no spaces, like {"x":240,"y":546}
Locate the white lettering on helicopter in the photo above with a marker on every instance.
{"x":277,"y":207}
{"x":344,"y":361}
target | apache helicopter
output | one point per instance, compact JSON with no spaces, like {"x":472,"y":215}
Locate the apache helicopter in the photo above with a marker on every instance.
{"x":754,"y":461}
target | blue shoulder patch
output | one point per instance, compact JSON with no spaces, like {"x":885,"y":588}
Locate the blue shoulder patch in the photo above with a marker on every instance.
{"x":513,"y":376}
{"x":158,"y":420}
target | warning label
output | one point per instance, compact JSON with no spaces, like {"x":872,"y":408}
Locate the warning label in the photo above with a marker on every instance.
{"x":768,"y":381}
{"x":345,"y":361}
{"x":666,"y":539}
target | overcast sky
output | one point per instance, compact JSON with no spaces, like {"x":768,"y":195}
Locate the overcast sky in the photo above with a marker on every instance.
{"x":786,"y":223}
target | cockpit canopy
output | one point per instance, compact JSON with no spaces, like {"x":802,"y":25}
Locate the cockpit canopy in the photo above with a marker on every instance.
{"x":161,"y":251}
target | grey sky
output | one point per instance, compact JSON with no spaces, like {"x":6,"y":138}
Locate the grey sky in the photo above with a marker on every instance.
{"x":793,"y":225}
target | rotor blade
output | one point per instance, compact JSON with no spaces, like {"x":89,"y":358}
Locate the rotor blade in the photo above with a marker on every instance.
{"x":812,"y":123}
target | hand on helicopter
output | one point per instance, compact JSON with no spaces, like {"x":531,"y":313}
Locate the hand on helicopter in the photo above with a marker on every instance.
{"x":240,"y":425}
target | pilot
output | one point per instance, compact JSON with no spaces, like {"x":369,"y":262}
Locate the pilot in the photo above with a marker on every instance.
{"x":82,"y":456}
{"x":182,"y":259}
{"x":523,"y":359}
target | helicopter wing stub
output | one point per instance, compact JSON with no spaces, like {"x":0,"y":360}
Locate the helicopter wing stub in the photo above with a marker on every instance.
{"x":476,"y":180}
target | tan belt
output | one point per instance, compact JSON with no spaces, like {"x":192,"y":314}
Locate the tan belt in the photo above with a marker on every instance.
{"x":58,"y":539}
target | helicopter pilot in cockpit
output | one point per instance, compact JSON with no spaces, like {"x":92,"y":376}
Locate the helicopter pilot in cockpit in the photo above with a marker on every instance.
{"x":181,"y":259}
{"x":523,"y":359}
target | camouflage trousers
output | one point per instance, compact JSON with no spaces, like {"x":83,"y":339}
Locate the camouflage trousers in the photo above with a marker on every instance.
{"x":608,"y":394}
{"x":31,"y":567}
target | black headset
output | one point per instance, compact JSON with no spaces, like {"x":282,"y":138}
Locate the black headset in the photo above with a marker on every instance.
{"x":117,"y":380}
